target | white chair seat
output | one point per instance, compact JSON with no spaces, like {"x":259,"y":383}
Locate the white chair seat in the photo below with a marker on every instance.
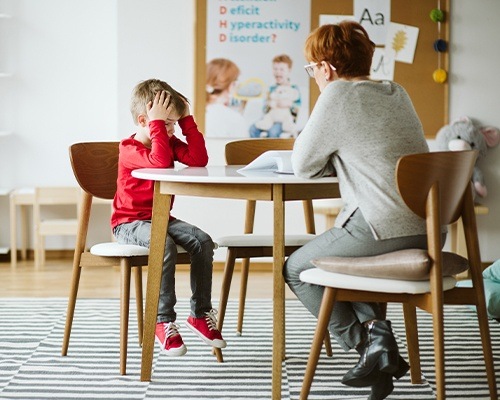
{"x":321,"y":277}
{"x":252,"y":240}
{"x":114,"y":249}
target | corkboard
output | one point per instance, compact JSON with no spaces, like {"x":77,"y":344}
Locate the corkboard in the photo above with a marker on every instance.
{"x":429,"y":98}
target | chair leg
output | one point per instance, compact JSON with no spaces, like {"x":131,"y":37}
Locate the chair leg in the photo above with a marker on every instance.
{"x":42,"y":251}
{"x":383,"y":310}
{"x":36,"y":251}
{"x":438,"y":330}
{"x":328,"y":344}
{"x":124,"y":313}
{"x":13,"y":233}
{"x":245,"y":266}
{"x":139,"y":302}
{"x":410,"y":318}
{"x":325,"y":312}
{"x":70,"y":312}
{"x":24,"y":232}
{"x":224,"y":295}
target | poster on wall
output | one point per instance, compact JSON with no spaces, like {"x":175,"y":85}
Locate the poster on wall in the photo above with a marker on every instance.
{"x":255,"y":84}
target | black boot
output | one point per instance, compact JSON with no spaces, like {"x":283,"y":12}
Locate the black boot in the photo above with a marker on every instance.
{"x":382,"y":388}
{"x":379,"y":353}
{"x":403,"y":368}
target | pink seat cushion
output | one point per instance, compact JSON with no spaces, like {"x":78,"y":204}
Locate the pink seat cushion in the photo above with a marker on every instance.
{"x":410,"y":264}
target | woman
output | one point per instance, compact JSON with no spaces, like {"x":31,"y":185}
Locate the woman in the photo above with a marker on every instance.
{"x":220,"y":119}
{"x":358,"y":129}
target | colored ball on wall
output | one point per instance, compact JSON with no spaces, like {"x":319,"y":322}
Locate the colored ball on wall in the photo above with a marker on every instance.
{"x":437,"y":15}
{"x":440,"y":75}
{"x":440,"y":45}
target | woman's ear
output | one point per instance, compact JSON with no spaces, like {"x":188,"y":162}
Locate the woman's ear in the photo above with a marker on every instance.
{"x":327,"y":71}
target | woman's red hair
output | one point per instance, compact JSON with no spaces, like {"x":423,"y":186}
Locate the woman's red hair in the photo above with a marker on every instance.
{"x":346,"y":46}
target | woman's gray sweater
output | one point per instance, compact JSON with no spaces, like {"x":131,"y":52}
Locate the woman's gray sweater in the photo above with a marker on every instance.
{"x":359,"y":130}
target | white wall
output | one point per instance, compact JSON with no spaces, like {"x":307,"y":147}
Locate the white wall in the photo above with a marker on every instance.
{"x":75,"y":63}
{"x":475,"y":87}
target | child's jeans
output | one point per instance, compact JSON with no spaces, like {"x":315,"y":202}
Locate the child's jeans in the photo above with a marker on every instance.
{"x":274,"y":132}
{"x":200,"y":247}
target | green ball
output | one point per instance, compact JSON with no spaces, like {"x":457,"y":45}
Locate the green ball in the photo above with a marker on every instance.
{"x":437,"y":15}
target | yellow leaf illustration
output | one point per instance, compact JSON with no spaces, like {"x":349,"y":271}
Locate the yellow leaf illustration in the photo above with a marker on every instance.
{"x":399,"y":41}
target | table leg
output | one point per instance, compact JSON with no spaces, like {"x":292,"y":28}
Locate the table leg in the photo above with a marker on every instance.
{"x":279,"y":290}
{"x":159,"y":225}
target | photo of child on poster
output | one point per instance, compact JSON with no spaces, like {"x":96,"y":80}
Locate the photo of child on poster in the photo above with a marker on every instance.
{"x":255,"y":80}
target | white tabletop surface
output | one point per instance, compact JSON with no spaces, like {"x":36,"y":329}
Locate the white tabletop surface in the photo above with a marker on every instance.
{"x":221,"y":174}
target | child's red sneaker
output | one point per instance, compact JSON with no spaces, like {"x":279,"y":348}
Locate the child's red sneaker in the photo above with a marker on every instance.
{"x":206,"y":328}
{"x":169,"y":338}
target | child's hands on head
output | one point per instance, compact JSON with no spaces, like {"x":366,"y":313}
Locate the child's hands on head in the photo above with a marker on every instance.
{"x":159,"y":108}
{"x":187,"y":112}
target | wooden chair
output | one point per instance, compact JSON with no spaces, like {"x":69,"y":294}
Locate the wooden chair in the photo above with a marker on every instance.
{"x":95,"y":166}
{"x":435,"y":186}
{"x":21,"y":198}
{"x":46,"y":200}
{"x":249,"y":245}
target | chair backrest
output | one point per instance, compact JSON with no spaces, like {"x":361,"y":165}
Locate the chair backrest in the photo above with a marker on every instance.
{"x":242,"y":152}
{"x":57,"y":195}
{"x":95,"y":166}
{"x":449,"y":171}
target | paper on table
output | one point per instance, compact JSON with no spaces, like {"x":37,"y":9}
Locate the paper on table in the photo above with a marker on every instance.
{"x":273,"y":160}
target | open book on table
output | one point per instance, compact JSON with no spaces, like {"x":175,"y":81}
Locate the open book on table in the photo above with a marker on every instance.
{"x":279,"y":161}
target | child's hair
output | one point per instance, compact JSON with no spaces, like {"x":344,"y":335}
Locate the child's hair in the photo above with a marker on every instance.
{"x":145,"y":91}
{"x":283,"y":58}
{"x":221,"y":72}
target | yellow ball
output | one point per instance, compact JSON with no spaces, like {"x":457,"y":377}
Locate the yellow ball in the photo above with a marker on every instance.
{"x":440,"y":76}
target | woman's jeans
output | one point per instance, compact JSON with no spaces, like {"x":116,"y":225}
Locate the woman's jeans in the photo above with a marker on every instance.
{"x":355,"y":239}
{"x":200,"y":248}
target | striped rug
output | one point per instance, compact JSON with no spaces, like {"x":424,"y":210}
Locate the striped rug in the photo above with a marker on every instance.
{"x":31,"y":366}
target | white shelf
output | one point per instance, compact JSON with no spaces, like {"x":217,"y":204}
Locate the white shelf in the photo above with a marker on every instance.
{"x":5,"y":75}
{"x":5,"y":15}
{"x":5,"y":133}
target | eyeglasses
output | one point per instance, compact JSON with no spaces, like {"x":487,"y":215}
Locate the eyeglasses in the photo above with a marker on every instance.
{"x":310,"y":68}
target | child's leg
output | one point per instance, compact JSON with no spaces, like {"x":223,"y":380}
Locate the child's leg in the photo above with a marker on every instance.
{"x":139,"y":232}
{"x":254,"y":131}
{"x":200,"y":247}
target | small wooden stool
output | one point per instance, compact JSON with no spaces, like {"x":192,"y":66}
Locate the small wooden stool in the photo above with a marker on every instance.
{"x":23,"y":198}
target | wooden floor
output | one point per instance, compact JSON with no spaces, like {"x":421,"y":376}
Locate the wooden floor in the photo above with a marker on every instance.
{"x":53,"y":280}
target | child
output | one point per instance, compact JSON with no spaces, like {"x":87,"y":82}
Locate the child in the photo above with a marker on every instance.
{"x":282,"y":66}
{"x":156,"y":108}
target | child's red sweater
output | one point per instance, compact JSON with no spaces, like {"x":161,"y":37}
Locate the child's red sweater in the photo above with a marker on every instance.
{"x":134,"y":197}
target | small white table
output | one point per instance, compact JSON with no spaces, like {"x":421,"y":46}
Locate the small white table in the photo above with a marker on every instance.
{"x":225,"y":182}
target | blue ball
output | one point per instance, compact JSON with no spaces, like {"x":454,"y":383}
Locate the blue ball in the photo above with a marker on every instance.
{"x":440,"y":45}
